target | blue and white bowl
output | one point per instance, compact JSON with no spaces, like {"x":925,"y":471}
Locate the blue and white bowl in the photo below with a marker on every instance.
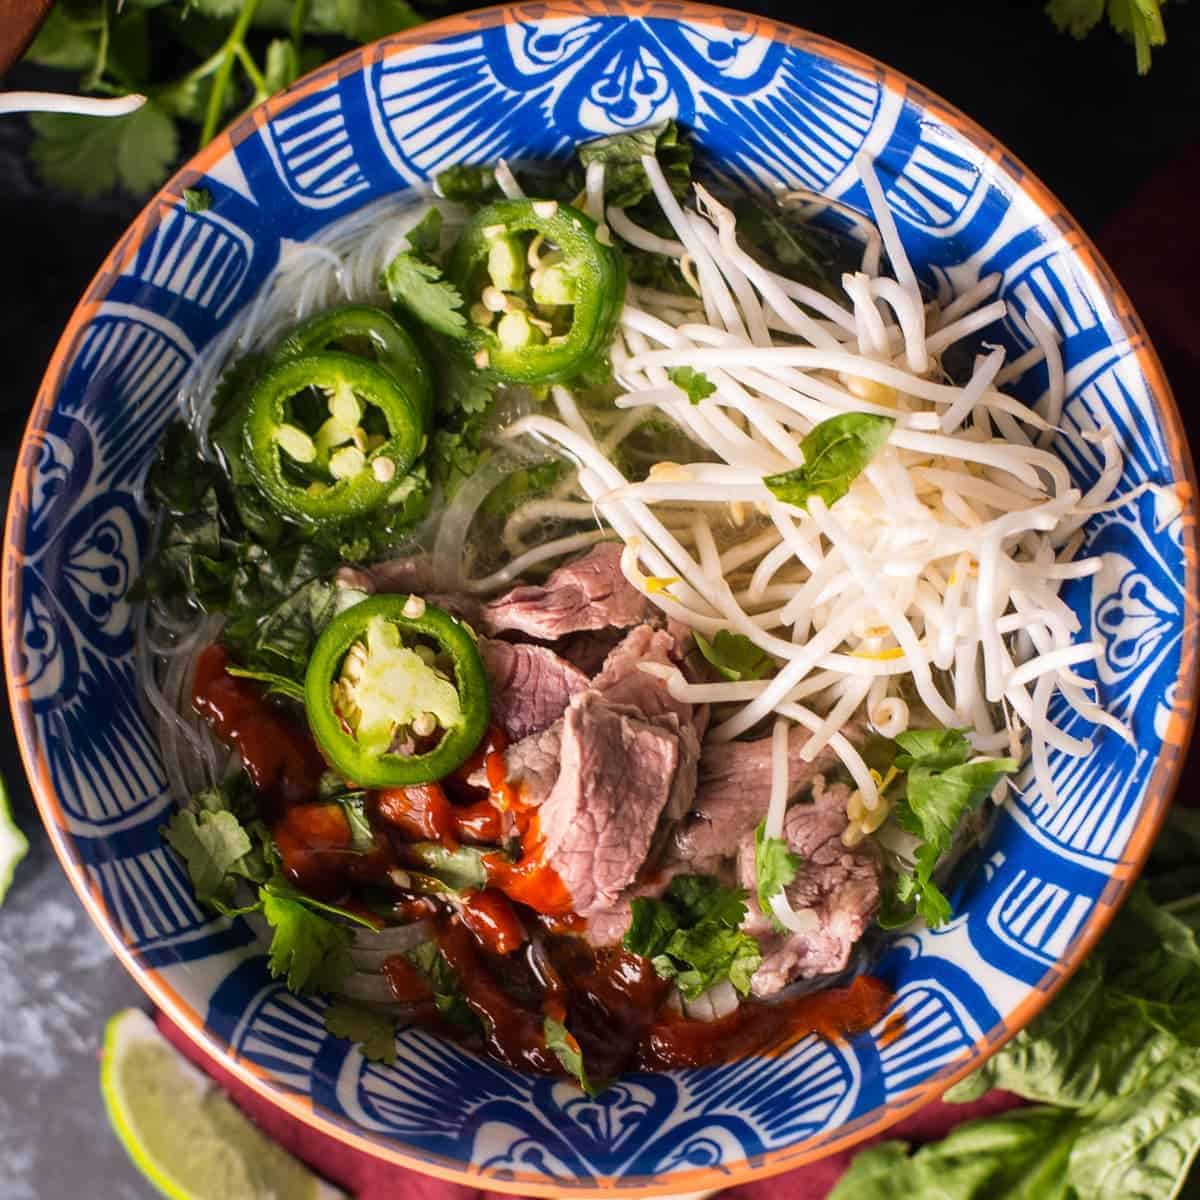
{"x":773,"y":106}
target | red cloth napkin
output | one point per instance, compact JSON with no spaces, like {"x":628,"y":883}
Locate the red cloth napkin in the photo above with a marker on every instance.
{"x":1158,"y":269}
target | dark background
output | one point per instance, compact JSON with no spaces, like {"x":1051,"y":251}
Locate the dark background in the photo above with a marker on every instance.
{"x":1076,"y":113}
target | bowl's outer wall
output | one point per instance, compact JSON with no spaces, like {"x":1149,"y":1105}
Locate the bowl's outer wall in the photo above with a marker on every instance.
{"x":775,"y":107}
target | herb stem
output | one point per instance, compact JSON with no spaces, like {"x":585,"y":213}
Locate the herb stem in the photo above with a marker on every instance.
{"x":255,"y":76}
{"x":228,"y":53}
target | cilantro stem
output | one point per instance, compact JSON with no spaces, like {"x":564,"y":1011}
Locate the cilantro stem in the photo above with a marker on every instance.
{"x":94,"y":76}
{"x":251,"y":68}
{"x":296,"y":25}
{"x":228,"y":53}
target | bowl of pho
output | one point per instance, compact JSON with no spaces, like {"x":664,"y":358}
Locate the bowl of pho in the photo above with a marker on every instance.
{"x":596,"y":595}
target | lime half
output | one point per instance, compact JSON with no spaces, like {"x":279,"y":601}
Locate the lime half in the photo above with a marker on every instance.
{"x":13,"y":846}
{"x":182,"y":1132}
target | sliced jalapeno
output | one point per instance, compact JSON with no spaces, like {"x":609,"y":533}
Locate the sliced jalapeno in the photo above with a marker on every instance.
{"x":370,"y":333}
{"x":543,"y":291}
{"x":396,"y":692}
{"x":313,"y":477}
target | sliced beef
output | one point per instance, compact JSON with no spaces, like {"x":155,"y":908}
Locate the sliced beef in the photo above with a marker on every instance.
{"x":839,"y":884}
{"x":616,"y":776}
{"x":623,"y":681}
{"x":530,"y":686}
{"x":531,"y":765}
{"x":589,"y":593}
{"x":588,"y":649}
{"x":733,"y":789}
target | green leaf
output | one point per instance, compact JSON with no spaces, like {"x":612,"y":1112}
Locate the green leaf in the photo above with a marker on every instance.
{"x":835,"y":453}
{"x":425,"y":236}
{"x":374,"y":1034}
{"x":1076,"y":17}
{"x":735,"y":656}
{"x":699,"y":898}
{"x":694,"y":383}
{"x":469,"y":185}
{"x":775,"y":866}
{"x":447,"y":995}
{"x":92,"y":155}
{"x":69,"y":39}
{"x":281,"y":66}
{"x":281,"y":889}
{"x":1144,"y":1144}
{"x":278,"y":684}
{"x":419,"y":288}
{"x":362,"y":836}
{"x":650,"y":927}
{"x":566,"y":1050}
{"x":1141,"y":22}
{"x":307,"y":950}
{"x":692,"y":935}
{"x":625,"y":182}
{"x":462,"y":870}
{"x":937,"y":748}
{"x":197,"y":199}
{"x":1020,"y":1155}
{"x":213,"y":846}
{"x":367,"y":20}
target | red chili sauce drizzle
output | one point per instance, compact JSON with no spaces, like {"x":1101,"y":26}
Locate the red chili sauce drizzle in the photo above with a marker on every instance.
{"x":280,"y":757}
{"x":612,"y":1001}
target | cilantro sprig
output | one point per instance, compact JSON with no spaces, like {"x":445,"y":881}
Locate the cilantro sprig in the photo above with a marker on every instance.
{"x":221,"y":56}
{"x":693,"y":936}
{"x":942,"y":785}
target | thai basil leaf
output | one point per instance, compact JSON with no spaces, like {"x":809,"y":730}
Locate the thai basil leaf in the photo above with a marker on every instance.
{"x":835,"y":453}
{"x":734,"y":655}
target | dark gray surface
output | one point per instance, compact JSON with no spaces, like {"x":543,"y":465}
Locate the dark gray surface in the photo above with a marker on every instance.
{"x":1079,"y":117}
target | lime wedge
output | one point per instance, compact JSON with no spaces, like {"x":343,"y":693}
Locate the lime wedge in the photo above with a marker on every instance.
{"x":182,"y":1132}
{"x":13,"y":846}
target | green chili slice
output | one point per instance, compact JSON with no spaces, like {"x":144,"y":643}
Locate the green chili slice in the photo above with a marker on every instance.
{"x":370,"y":333}
{"x":387,"y":676}
{"x":540,"y":323}
{"x":318,"y":478}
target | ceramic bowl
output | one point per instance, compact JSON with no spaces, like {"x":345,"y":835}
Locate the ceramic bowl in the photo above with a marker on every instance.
{"x":773,"y":106}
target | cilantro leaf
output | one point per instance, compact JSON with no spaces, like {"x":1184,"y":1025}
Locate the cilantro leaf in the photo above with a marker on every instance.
{"x":215,"y":849}
{"x":419,"y":288}
{"x":1138,"y":21}
{"x":461,"y":870}
{"x":283,"y":890}
{"x":692,"y":935}
{"x":425,"y":236}
{"x":566,"y":1049}
{"x":368,"y":20}
{"x":279,"y":684}
{"x":941,"y":787}
{"x":362,"y":836}
{"x":469,"y":185}
{"x":625,"y":182}
{"x":835,"y":453}
{"x":374,"y":1034}
{"x":695,"y":383}
{"x":307,"y":950}
{"x":734,"y":655}
{"x":650,"y":927}
{"x":706,"y":954}
{"x":775,"y":866}
{"x":699,"y":898}
{"x":935,"y":748}
{"x":93,"y":155}
{"x":197,"y":199}
{"x":447,"y":995}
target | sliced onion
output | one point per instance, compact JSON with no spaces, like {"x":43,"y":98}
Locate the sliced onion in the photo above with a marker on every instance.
{"x":719,"y":1001}
{"x":371,"y":949}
